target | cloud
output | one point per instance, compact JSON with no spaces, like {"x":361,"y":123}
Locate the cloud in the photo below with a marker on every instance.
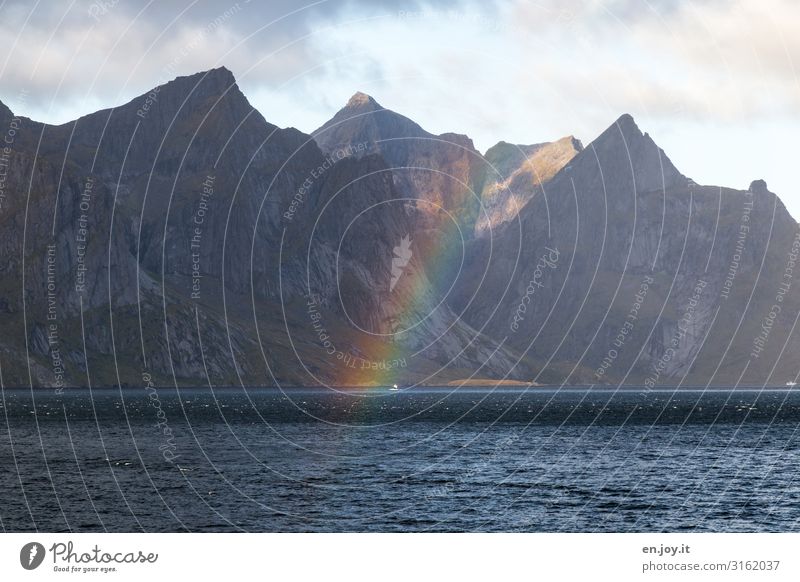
{"x":66,"y":56}
{"x":702,"y":58}
{"x":102,"y":51}
{"x":69,"y":56}
{"x":519,"y":70}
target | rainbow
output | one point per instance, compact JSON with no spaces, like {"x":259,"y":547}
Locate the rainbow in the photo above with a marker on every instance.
{"x":386,"y":360}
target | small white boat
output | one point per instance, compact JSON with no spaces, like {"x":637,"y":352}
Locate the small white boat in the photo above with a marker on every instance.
{"x":394,"y":388}
{"x":791,"y":384}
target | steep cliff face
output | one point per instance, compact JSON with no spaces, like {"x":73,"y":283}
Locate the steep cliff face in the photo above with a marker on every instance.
{"x":436,"y":172}
{"x":134,"y":236}
{"x":182,"y":237}
{"x":436,"y":181}
{"x":126,"y":211}
{"x":513,"y":174}
{"x":625,"y":270}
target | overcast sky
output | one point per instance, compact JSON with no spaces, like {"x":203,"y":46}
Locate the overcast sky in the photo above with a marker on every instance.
{"x":714,"y":82}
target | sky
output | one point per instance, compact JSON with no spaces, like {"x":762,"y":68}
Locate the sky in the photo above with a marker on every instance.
{"x":715,"y":83}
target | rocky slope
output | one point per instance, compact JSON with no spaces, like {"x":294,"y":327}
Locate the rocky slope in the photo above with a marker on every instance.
{"x":516,"y":173}
{"x":624,"y":270}
{"x":182,"y":238}
{"x":436,"y":171}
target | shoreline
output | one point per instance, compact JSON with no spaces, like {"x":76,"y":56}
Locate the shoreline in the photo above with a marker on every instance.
{"x":452,"y":386}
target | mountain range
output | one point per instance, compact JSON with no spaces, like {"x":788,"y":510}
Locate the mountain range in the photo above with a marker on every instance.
{"x":183,"y":238}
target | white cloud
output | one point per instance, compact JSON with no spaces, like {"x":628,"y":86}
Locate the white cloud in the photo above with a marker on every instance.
{"x":719,"y":73}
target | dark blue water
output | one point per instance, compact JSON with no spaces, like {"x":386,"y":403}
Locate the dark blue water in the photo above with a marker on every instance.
{"x":419,"y":460}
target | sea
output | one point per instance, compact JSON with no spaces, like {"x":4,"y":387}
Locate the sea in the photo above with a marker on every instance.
{"x":566,"y":459}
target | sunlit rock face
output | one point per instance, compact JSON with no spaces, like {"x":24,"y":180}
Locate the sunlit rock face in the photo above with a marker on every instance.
{"x":514,"y":174}
{"x":185,"y":237}
{"x":658,"y":281}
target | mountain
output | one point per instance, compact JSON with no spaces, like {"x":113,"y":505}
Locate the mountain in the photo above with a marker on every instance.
{"x":183,"y":238}
{"x":436,"y":171}
{"x":119,"y":227}
{"x":134,"y":235}
{"x":516,"y":173}
{"x":624,"y":270}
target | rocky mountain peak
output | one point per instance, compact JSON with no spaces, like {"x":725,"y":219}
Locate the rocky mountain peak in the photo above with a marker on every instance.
{"x":203,"y":110}
{"x":623,"y":130}
{"x":361,"y":101}
{"x":515,"y":173}
{"x":758,"y":186}
{"x":458,"y":139}
{"x":220,"y":78}
{"x":182,"y":97}
{"x":625,"y":151}
{"x":567,"y":144}
{"x":574,"y":142}
{"x":216,"y":83}
{"x":364,"y":120}
{"x":627,"y":124}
